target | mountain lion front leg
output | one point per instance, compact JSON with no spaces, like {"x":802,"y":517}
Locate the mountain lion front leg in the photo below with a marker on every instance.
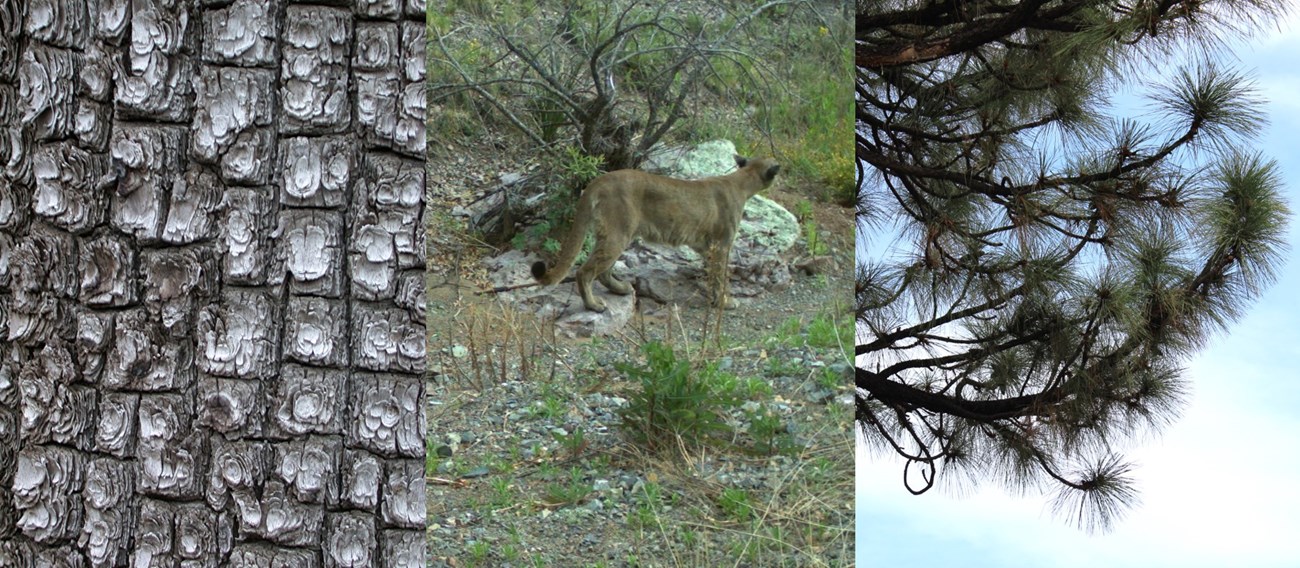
{"x":716,"y":275}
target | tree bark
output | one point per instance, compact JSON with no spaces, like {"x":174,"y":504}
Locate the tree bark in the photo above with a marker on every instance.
{"x":212,"y":335}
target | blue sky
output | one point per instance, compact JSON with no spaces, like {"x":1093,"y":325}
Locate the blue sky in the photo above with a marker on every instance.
{"x":1220,"y":487}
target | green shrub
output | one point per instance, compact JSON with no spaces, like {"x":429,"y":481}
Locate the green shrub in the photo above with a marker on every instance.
{"x":676,"y":399}
{"x":579,"y":167}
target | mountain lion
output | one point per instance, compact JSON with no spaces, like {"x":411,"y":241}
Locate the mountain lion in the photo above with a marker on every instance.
{"x":626,"y":204}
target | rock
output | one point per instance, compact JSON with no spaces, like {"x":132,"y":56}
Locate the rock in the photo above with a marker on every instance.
{"x":814,"y":265}
{"x":480,"y":471}
{"x":818,"y":394}
{"x":707,"y":159}
{"x":842,"y":368}
{"x":767,"y":226}
{"x":560,"y":302}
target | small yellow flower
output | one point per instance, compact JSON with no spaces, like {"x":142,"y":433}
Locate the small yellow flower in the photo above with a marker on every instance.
{"x":822,"y":30}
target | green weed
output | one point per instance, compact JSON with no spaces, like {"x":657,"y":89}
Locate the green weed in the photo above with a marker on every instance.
{"x":735,"y":503}
{"x":829,"y":331}
{"x":784,"y":367}
{"x":502,"y":494}
{"x":770,"y":436}
{"x":572,"y":491}
{"x":574,"y":443}
{"x":830,"y":379}
{"x":478,"y":552}
{"x":787,"y":333}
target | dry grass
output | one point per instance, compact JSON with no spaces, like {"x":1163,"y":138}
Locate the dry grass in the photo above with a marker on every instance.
{"x":799,"y":516}
{"x":499,"y":343}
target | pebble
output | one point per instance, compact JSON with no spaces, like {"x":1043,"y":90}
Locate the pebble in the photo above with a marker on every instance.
{"x":818,"y":394}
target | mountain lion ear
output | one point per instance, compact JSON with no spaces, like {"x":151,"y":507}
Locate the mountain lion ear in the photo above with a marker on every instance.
{"x":771,"y":172}
{"x":741,"y":161}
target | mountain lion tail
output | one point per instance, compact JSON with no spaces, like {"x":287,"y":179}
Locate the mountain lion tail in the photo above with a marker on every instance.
{"x":571,"y":246}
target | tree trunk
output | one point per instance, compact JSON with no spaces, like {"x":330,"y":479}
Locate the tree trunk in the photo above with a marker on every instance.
{"x":212,"y":332}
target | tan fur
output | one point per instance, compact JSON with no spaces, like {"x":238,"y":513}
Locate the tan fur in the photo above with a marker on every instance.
{"x":626,"y":204}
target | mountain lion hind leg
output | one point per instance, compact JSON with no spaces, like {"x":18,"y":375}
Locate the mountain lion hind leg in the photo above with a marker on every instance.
{"x":599,"y":263}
